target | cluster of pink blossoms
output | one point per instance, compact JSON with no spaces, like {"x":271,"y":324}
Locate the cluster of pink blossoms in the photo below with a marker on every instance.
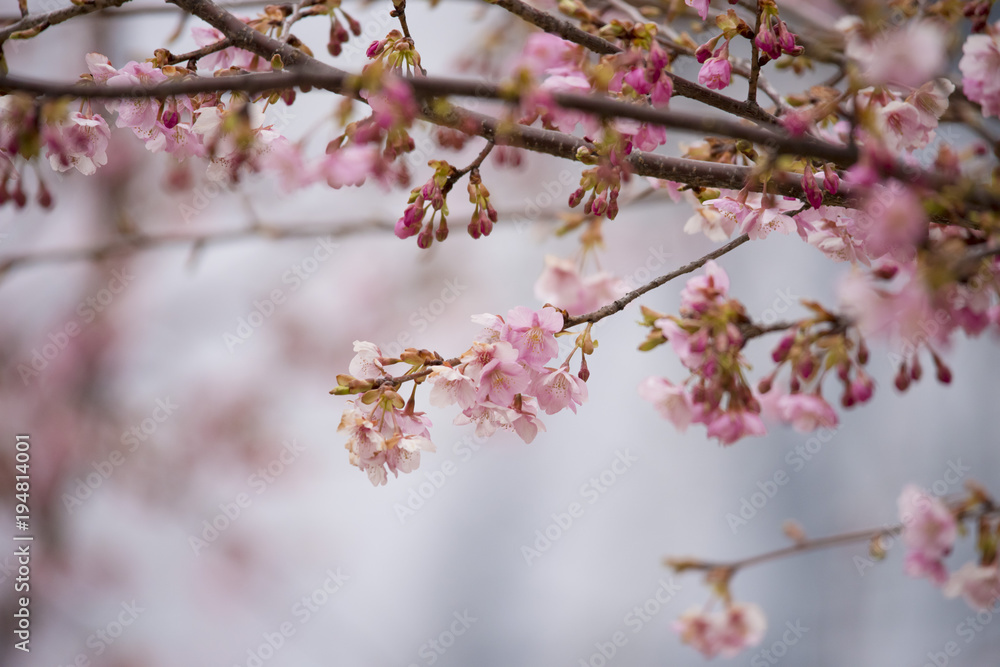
{"x":708,"y":337}
{"x":501,"y":382}
{"x":930,"y":529}
{"x":383,"y":431}
{"x":739,"y":626}
{"x":708,"y":340}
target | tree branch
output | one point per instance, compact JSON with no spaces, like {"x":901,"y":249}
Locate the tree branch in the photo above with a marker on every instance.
{"x":601,"y":46}
{"x":619,"y":304}
{"x":40,"y":22}
{"x":137,"y":242}
{"x":338,"y":81}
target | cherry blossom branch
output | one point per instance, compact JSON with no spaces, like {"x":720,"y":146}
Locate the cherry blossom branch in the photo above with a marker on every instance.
{"x":198,"y":53}
{"x":667,"y":41}
{"x":983,"y":507}
{"x":556,"y":26}
{"x":475,"y":164}
{"x":619,"y":304}
{"x":801,"y":546}
{"x":601,"y":46}
{"x":341,"y":82}
{"x":399,"y":11}
{"x":33,"y":24}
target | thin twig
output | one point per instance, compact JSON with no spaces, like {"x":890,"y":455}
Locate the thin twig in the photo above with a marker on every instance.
{"x":475,"y":164}
{"x":799,"y":547}
{"x":619,"y":304}
{"x":138,"y":242}
{"x":207,"y":50}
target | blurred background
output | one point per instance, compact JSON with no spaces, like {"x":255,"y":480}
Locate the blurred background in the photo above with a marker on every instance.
{"x":192,"y":502}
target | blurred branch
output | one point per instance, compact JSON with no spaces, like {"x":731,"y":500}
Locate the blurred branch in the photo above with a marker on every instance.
{"x":599,"y":45}
{"x":33,"y":24}
{"x":139,"y":242}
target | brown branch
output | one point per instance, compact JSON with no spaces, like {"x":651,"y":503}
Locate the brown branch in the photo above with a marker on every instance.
{"x":681,"y":564}
{"x":755,"y":58}
{"x":208,"y":50}
{"x":619,"y":304}
{"x":39,"y":22}
{"x":475,"y":164}
{"x":337,"y":81}
{"x":601,"y":46}
{"x":139,"y":242}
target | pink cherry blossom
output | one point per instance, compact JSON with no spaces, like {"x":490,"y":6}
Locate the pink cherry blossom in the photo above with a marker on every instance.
{"x":366,"y":364}
{"x":532,"y":333}
{"x":494,"y":328}
{"x":907,"y":56}
{"x":806,"y":412}
{"x":543,"y":52}
{"x":526,"y":422}
{"x":702,"y":290}
{"x":137,"y":114}
{"x":754,"y":220}
{"x":732,"y":425}
{"x":701,"y":6}
{"x":895,"y":222}
{"x":228,"y":57}
{"x":670,"y":401}
{"x":562,"y":285}
{"x":980,"y":64}
{"x":449,"y":386}
{"x":831,"y":229}
{"x":557,"y":389}
{"x":978,"y":584}
{"x":285,"y":158}
{"x":500,"y":377}
{"x":727,"y":633}
{"x":348,"y":165}
{"x":715,"y":73}
{"x":80,"y":141}
{"x":929,"y":532}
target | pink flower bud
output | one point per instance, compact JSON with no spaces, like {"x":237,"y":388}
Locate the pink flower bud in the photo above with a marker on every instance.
{"x":831,"y":180}
{"x":767,"y":42}
{"x":813,"y":194}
